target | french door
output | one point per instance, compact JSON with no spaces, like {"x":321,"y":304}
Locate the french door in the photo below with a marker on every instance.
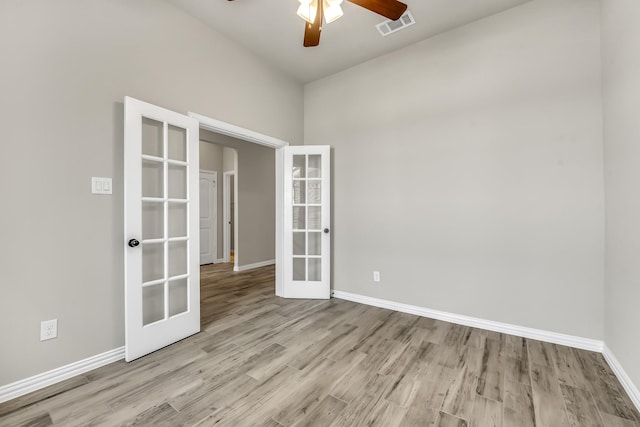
{"x":306,"y":216}
{"x":162,"y":275}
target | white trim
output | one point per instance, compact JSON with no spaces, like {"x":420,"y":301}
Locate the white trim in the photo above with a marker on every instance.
{"x":505,"y":328}
{"x":28,"y":385}
{"x":616,"y":367}
{"x":234,"y":131}
{"x":254,"y":265}
{"x":219,"y":261}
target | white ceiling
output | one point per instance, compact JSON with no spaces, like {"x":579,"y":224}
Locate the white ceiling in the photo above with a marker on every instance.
{"x":272,"y":30}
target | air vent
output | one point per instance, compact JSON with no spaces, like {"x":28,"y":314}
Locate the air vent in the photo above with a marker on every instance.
{"x":387,"y":27}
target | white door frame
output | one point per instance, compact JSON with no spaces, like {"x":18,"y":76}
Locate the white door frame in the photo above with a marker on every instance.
{"x":215,"y":210}
{"x":248,"y":135}
{"x":226,"y":215}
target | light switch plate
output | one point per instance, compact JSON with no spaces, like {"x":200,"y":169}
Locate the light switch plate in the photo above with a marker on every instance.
{"x":100,"y":185}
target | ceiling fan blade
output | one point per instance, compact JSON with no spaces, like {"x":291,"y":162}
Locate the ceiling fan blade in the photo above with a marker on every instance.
{"x":312,"y":31}
{"x":391,"y":9}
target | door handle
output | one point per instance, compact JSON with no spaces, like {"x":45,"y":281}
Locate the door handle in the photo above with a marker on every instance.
{"x":326,"y":231}
{"x":133,"y":243}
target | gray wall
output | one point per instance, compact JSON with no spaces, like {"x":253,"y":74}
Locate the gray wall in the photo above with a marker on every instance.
{"x":66,"y":67}
{"x":229,"y":159}
{"x":621,"y":65}
{"x":256,"y":207}
{"x":468,"y":170}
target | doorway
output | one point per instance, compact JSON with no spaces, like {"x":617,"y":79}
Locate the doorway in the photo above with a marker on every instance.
{"x":215,"y":155}
{"x":228,"y":129}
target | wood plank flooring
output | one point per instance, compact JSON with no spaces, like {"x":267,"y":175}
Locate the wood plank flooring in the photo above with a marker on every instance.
{"x":266,"y":361}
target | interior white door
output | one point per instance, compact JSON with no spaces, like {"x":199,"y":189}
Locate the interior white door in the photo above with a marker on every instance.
{"x":162,"y":273}
{"x":307,"y":222}
{"x":208,"y":217}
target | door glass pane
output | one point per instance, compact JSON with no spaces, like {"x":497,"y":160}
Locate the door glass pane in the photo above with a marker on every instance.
{"x":314,"y":269}
{"x":152,"y":220}
{"x":315,"y":218}
{"x":299,"y":219}
{"x":315,"y":243}
{"x":152,"y":137}
{"x":152,"y":262}
{"x":177,"y":258}
{"x":178,"y":297}
{"x":299,"y":192}
{"x":152,"y":179}
{"x":315,"y":163}
{"x":299,"y":166}
{"x":177,"y":141}
{"x":314,"y":195}
{"x":177,"y":182}
{"x":152,"y":303}
{"x":299,"y":243}
{"x":299,"y":269}
{"x":177,"y":220}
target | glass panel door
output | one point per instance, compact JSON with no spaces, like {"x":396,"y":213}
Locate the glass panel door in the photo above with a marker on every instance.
{"x":306,"y":218}
{"x":162,"y":277}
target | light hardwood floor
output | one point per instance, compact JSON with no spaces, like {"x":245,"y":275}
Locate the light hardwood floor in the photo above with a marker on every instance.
{"x":266,"y":361}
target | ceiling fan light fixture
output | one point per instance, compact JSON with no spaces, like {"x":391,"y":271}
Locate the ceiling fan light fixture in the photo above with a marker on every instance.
{"x":332,"y":10}
{"x":308,"y":10}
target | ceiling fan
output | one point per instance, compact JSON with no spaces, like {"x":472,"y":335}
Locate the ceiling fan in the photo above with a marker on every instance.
{"x":313,"y":12}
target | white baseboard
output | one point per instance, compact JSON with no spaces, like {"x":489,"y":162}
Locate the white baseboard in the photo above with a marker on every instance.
{"x":505,"y":328}
{"x":22,"y":387}
{"x":219,"y":261}
{"x":254,"y":265}
{"x":616,"y":367}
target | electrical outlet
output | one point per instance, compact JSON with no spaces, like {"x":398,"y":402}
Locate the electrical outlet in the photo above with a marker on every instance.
{"x":48,"y":329}
{"x":376,"y":276}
